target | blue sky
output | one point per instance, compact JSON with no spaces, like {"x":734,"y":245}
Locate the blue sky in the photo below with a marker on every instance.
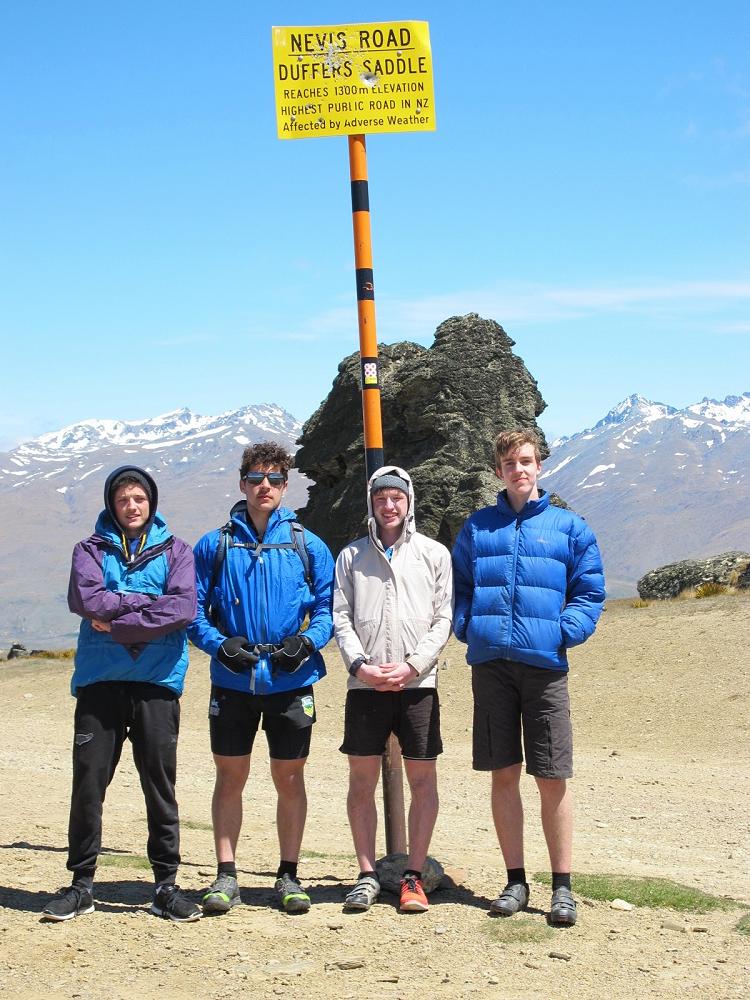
{"x":587,"y":187}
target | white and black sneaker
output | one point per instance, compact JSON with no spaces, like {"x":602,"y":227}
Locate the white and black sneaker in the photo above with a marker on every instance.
{"x":67,"y":903}
{"x":171,"y":904}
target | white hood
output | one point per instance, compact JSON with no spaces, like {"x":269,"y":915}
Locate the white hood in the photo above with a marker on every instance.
{"x":409,"y":526}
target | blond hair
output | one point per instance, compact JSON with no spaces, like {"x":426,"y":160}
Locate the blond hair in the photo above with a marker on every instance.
{"x":509,"y":441}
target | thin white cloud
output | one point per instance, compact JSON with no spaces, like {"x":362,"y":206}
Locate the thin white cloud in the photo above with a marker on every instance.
{"x":514,"y":305}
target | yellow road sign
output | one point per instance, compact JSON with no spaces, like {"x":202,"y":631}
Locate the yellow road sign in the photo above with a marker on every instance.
{"x":351,"y":79}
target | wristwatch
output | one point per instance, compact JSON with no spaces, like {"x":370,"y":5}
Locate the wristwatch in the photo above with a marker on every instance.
{"x":354,"y":667}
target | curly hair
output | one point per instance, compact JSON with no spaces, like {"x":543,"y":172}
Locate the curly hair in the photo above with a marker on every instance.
{"x":509,"y":441}
{"x":266,"y":453}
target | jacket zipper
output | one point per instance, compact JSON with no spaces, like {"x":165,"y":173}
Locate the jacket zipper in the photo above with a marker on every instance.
{"x":516,"y":540}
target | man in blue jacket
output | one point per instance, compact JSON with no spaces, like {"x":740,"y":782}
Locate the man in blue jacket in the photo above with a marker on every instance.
{"x":529,"y":585}
{"x":264,"y":612}
{"x":133,"y":585}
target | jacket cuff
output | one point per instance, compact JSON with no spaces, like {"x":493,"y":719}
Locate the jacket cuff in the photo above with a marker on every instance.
{"x":420,"y":663}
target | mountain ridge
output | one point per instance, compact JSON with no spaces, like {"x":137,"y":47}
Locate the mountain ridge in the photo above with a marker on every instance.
{"x":656,"y":484}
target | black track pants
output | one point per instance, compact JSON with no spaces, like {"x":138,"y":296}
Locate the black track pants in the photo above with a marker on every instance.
{"x":106,"y":714}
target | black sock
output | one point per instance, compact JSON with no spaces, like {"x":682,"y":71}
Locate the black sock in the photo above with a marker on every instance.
{"x":413,"y":872}
{"x":227,"y":868}
{"x":83,"y":882}
{"x":560,"y":880}
{"x":287,"y":868}
{"x":369,"y":875}
{"x":516,"y":875}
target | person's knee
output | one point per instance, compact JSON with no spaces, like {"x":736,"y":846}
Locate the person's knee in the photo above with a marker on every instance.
{"x":231,"y":776}
{"x":288,"y":777}
{"x":506,"y":778}
{"x":422,"y":781}
{"x":552,"y":790}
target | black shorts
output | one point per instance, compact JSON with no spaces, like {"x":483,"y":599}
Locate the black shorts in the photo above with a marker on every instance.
{"x":413,"y":715}
{"x":509,"y":696}
{"x":288,"y":716}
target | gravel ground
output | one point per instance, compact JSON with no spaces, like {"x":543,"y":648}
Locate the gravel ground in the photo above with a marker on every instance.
{"x":661,"y":709}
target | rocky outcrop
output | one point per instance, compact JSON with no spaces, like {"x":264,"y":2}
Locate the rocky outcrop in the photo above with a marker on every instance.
{"x":728,"y":569}
{"x":442,"y":408}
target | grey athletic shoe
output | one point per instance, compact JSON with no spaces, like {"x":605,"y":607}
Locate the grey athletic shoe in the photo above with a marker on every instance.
{"x":171,"y":904}
{"x":514,"y":897}
{"x":363,"y":895}
{"x":222,"y":895}
{"x":293,"y":897}
{"x":68,"y":903}
{"x":563,"y":909}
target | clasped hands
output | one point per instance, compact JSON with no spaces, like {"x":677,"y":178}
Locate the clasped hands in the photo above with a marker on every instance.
{"x":386,"y":676}
{"x":238,"y":654}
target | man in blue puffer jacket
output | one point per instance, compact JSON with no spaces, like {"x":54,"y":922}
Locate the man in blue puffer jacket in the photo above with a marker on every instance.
{"x":529,"y":585}
{"x":133,"y":585}
{"x":263,"y":617}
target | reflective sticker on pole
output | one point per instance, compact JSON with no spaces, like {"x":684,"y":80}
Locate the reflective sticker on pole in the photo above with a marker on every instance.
{"x":370,"y":376}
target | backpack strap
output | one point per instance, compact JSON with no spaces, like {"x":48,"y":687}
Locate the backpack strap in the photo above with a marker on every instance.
{"x":225,"y":532}
{"x":298,"y":537}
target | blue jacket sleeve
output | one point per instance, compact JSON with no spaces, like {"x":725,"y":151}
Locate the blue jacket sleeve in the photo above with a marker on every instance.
{"x":585,"y":593}
{"x":463,"y":581}
{"x":320,"y":626}
{"x":200,"y":631}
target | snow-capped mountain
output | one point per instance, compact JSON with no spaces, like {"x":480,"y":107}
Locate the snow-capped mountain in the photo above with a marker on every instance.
{"x":183,"y":431}
{"x":51,"y":492}
{"x":658,"y":484}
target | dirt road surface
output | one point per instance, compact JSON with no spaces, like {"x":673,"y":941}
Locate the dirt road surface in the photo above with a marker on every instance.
{"x":661,"y":710}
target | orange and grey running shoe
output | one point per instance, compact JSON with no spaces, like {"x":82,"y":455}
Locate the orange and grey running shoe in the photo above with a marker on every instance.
{"x":413,"y":898}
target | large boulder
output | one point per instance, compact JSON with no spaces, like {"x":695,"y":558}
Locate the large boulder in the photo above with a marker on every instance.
{"x":442,"y":409}
{"x":728,"y":569}
{"x":390,"y":871}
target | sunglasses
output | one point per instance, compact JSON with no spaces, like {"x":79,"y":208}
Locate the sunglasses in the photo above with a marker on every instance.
{"x":256,"y":478}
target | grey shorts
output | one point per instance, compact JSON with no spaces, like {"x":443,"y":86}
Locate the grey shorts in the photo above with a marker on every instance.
{"x":413,"y":715}
{"x":514,"y":700}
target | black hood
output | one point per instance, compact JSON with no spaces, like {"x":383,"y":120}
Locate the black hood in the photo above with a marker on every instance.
{"x":139,"y":474}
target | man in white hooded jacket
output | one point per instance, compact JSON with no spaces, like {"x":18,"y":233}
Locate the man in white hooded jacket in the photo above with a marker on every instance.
{"x":392,"y":609}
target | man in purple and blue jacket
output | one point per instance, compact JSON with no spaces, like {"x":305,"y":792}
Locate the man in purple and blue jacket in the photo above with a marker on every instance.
{"x":133,"y":584}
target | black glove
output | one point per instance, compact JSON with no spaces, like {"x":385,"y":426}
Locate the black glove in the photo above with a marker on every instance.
{"x":292,"y":652}
{"x":237,"y":654}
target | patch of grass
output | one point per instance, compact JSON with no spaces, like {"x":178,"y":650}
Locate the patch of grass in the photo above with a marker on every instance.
{"x":517,"y":930}
{"x":709,"y":589}
{"x":195,"y":824}
{"x":743,"y":925}
{"x":124,"y":861}
{"x":640,"y":603}
{"x":325,"y":854}
{"x":652,"y":892}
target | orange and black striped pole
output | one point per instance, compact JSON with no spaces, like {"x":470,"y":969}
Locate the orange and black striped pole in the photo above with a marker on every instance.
{"x":394,"y":813}
{"x":368,"y":341}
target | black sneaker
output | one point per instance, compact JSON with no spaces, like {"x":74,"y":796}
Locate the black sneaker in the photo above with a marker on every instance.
{"x":222,"y":895}
{"x":293,"y":897}
{"x":171,"y":904}
{"x":69,"y":903}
